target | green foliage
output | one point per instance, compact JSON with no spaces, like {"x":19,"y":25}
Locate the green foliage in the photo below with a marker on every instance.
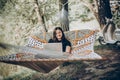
{"x":116,"y":17}
{"x":91,"y":1}
{"x":3,"y":70}
{"x":79,"y":12}
{"x":84,"y":16}
{"x":2,"y":3}
{"x":24,"y":75}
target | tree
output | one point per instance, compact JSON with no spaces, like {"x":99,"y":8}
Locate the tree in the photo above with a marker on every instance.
{"x":101,"y":10}
{"x":63,"y":7}
{"x":40,"y":16}
{"x":104,"y":11}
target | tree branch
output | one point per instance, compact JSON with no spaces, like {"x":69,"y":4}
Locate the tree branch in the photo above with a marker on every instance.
{"x":93,"y":8}
{"x":40,"y":20}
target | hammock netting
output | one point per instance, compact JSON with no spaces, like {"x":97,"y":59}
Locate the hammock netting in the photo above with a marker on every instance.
{"x":35,"y":57}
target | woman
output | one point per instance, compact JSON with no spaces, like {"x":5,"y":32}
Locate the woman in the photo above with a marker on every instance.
{"x":59,"y":37}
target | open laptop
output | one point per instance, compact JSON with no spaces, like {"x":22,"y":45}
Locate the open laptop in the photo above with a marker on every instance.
{"x":53,"y":46}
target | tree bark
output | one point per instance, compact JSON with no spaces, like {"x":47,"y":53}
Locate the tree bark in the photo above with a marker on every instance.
{"x":40,"y":16}
{"x":104,"y":11}
{"x":64,"y":24}
{"x":101,"y":10}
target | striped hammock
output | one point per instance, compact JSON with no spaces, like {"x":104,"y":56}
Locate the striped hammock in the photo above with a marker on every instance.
{"x":35,"y":57}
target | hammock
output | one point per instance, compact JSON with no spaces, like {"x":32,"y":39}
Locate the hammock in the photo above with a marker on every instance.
{"x":35,"y":57}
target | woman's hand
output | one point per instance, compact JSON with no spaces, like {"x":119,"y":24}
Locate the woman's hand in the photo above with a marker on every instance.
{"x":66,"y":54}
{"x":68,"y":49}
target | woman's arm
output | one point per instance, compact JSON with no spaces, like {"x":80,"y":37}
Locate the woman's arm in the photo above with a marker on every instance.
{"x":68,"y":49}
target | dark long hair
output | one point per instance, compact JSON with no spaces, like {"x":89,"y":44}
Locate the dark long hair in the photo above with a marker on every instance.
{"x":54,"y":34}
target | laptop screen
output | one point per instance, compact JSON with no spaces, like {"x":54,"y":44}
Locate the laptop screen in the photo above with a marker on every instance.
{"x":53,"y":46}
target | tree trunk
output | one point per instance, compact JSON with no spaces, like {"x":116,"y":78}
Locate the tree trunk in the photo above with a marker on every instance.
{"x":64,"y":21}
{"x":104,"y":11}
{"x":40,"y":16}
{"x":101,"y":10}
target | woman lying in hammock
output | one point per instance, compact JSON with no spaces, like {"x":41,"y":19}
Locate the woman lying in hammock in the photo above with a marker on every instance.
{"x":59,"y":37}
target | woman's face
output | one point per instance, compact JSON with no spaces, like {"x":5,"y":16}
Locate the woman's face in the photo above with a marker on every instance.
{"x":58,"y":34}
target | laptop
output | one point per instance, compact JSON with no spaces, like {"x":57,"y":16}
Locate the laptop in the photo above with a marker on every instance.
{"x":53,"y":46}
